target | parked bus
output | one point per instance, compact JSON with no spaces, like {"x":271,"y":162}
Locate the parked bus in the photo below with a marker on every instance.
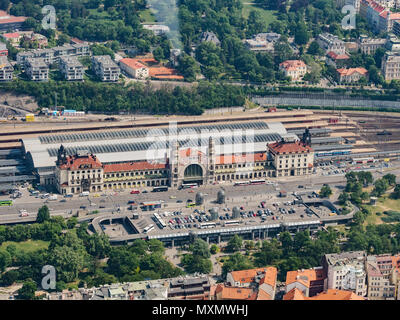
{"x":231,"y":223}
{"x":159,"y":221}
{"x":6,"y":203}
{"x":150,"y":205}
{"x":149,"y":228}
{"x":159,"y":189}
{"x":242,"y":183}
{"x":257,"y":181}
{"x":208,"y":225}
{"x":188,"y":185}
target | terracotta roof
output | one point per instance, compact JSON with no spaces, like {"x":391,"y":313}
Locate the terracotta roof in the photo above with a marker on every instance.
{"x":290,"y":65}
{"x":189,"y":152}
{"x":133,"y":63}
{"x":233,"y":293}
{"x":247,"y":276}
{"x":336,"y":56}
{"x":11,"y":35}
{"x":231,"y":159}
{"x":304,"y":276}
{"x":163,"y":72}
{"x":6,"y":18}
{"x":282,"y":147}
{"x":132,"y":166}
{"x":330,"y":294}
{"x":75,"y":162}
{"x":262,"y":295}
{"x":350,"y":71}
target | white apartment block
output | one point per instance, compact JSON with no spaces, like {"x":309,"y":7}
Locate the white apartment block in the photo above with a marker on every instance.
{"x":329,"y":42}
{"x":369,"y":45}
{"x":6,"y":69}
{"x":380,"y":283}
{"x":134,"y":68}
{"x":71,"y":68}
{"x":37,"y":69}
{"x":346,"y":271}
{"x":105,"y":68}
{"x":391,"y":65}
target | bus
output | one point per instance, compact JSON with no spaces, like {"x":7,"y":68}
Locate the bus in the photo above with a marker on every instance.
{"x":208,"y":225}
{"x":188,"y":185}
{"x":150,"y":205}
{"x":159,"y":189}
{"x":6,"y":203}
{"x":149,"y":228}
{"x":231,"y":223}
{"x":190,"y":205}
{"x":159,"y":221}
{"x":242,"y":183}
{"x":257,"y":181}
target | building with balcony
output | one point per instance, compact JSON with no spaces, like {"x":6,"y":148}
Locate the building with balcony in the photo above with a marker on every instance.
{"x":6,"y":69}
{"x":329,"y":42}
{"x":105,"y":68}
{"x":71,"y":68}
{"x":37,"y":69}
{"x":391,"y":65}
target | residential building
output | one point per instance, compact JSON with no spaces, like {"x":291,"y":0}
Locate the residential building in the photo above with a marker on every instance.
{"x":291,"y":158}
{"x":295,"y":69}
{"x":369,"y":45}
{"x":378,"y":15}
{"x":351,"y":75}
{"x":189,"y":288}
{"x":71,"y":68}
{"x":310,"y":281}
{"x":223,"y":292}
{"x":391,"y":65}
{"x":13,"y":38}
{"x":346,"y":271}
{"x":134,"y":68}
{"x":210,"y":37}
{"x":392,"y":42}
{"x":157,"y":29}
{"x":337,"y":60}
{"x":261,"y":280}
{"x":329,"y":42}
{"x":259,"y":45}
{"x":330,"y":294}
{"x":10,"y":22}
{"x":37,"y":69}
{"x":3,"y":49}
{"x":105,"y":68}
{"x":6,"y":69}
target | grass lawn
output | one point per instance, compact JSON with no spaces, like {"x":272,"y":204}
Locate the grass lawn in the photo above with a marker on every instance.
{"x":147,"y":17}
{"x":27,"y":246}
{"x":268,"y":15}
{"x":383,"y":204}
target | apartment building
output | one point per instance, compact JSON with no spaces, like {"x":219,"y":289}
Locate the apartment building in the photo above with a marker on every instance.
{"x":369,"y":45}
{"x":37,"y":69}
{"x":330,"y":294}
{"x":105,"y":68}
{"x":189,"y":288}
{"x":351,"y":75}
{"x":329,"y":42}
{"x":309,"y":282}
{"x":337,"y":60}
{"x":378,"y":15}
{"x":6,"y":69}
{"x":9,"y":22}
{"x":391,"y":65}
{"x":134,"y":68}
{"x":295,"y":69}
{"x":71,"y":68}
{"x":292,"y":158}
{"x":346,"y":271}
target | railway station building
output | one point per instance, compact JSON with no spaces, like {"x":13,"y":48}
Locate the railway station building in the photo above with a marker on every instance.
{"x":170,"y":156}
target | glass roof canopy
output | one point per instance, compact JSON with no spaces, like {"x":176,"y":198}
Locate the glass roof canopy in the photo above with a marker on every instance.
{"x":141,"y":146}
{"x":139,"y":133}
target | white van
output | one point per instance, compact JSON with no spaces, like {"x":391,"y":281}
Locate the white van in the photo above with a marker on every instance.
{"x":84,"y":194}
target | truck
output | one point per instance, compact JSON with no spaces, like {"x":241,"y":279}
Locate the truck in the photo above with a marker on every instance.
{"x":53,"y":197}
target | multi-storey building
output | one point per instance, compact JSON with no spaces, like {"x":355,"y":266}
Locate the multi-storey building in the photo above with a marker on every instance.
{"x":71,"y":68}
{"x":329,"y":42}
{"x":391,"y":65}
{"x":3,"y":49}
{"x":134,"y":68}
{"x":292,"y":158}
{"x":351,"y":75}
{"x":9,"y":22}
{"x":346,"y":271}
{"x":37,"y":69}
{"x":310,"y":282}
{"x":369,"y":45}
{"x":295,"y":69}
{"x":378,"y":15}
{"x":6,"y":69}
{"x":337,"y":60}
{"x":105,"y":68}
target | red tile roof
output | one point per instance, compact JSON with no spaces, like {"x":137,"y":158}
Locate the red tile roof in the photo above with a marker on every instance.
{"x":231,"y":159}
{"x":289,"y":65}
{"x":132,"y":166}
{"x":6,"y":18}
{"x":350,"y":71}
{"x":248,"y":276}
{"x":233,"y":293}
{"x":336,"y":56}
{"x":282,"y":147}
{"x":304,"y":276}
{"x":133,"y":63}
{"x":76,"y":162}
{"x":330,"y":294}
{"x":11,"y":35}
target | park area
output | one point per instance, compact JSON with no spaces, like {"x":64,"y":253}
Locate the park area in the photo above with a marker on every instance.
{"x":26,"y":246}
{"x":268,"y":15}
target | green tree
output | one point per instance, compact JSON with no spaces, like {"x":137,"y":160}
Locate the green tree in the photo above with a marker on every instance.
{"x":5,"y":260}
{"x":43,"y":214}
{"x":27,"y":292}
{"x":390,"y":178}
{"x":235,"y":243}
{"x":325,"y":191}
